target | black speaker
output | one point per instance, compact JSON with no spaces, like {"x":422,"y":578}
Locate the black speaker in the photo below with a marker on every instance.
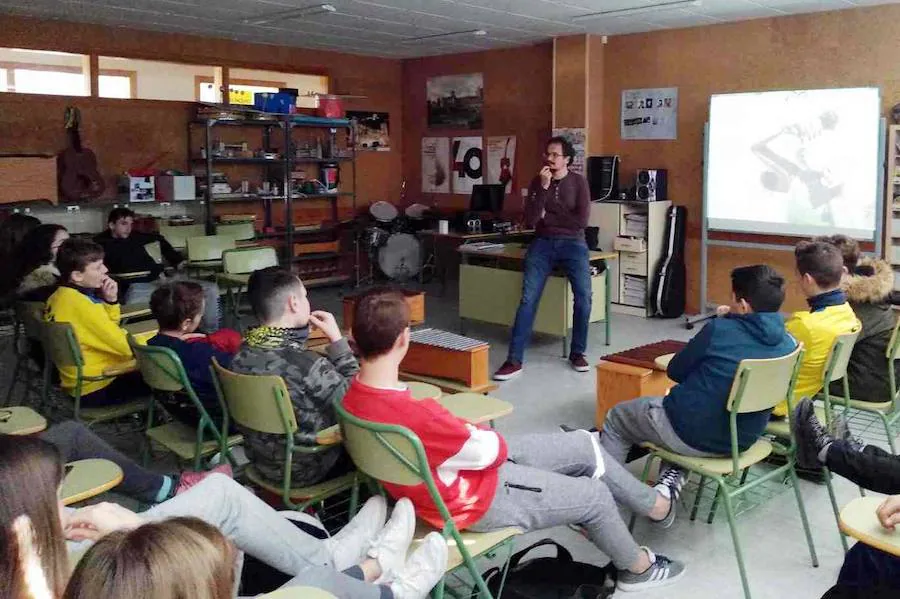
{"x":651,"y":185}
{"x":603,"y":177}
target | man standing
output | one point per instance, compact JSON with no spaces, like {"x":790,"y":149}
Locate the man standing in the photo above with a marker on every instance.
{"x":125,"y":251}
{"x":557,"y":207}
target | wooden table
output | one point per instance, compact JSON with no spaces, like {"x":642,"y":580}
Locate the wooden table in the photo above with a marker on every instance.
{"x":88,"y":478}
{"x":21,"y":420}
{"x":129,"y":311}
{"x":859,"y":520}
{"x":142,"y":330}
{"x":476,"y":408}
{"x":447,"y":385}
{"x":490,"y":290}
{"x":620,"y":382}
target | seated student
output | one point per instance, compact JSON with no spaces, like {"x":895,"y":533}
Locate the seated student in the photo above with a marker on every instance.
{"x":868,"y":286}
{"x":278,"y":347}
{"x":489,"y":482}
{"x":178,"y":307}
{"x":867,"y":572}
{"x":820,"y":266}
{"x":347,"y":565}
{"x":35,"y":259}
{"x":126,"y":252}
{"x":693,"y":419}
{"x":87,"y":299}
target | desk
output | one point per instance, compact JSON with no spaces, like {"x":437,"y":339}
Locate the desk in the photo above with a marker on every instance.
{"x":446,"y":384}
{"x":88,"y":478}
{"x":142,"y":330}
{"x":859,"y":520}
{"x":475,"y":408}
{"x":490,"y":288}
{"x":458,"y":237}
{"x":129,"y":311}
{"x":21,"y":420}
{"x":621,"y":382}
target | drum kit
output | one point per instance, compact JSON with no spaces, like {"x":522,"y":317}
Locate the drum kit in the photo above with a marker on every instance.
{"x":391,"y":240}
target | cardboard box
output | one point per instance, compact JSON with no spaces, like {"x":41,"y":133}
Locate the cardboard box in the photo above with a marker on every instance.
{"x":176,"y":188}
{"x":630,"y":244}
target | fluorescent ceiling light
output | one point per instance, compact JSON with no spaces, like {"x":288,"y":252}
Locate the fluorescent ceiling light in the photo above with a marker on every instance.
{"x":294,"y":13}
{"x":636,"y":10}
{"x":438,"y":36}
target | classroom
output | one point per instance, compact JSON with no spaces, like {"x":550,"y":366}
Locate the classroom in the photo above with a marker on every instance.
{"x":415,"y":298}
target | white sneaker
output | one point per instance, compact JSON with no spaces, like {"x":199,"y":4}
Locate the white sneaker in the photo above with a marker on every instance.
{"x":391,"y":544}
{"x":348,"y":547}
{"x":424,"y":569}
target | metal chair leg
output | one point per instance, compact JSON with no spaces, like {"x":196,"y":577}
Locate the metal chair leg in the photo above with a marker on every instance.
{"x":12,"y":381}
{"x":732,"y":525}
{"x":700,"y":489}
{"x":803,"y":518}
{"x":834,"y":507}
{"x":715,"y":503}
{"x":887,"y":432}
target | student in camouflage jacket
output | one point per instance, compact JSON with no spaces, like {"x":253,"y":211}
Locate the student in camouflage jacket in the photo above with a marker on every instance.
{"x":314,"y":381}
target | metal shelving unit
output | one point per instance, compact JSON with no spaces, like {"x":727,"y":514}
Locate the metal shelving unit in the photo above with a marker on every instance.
{"x":280,"y":127}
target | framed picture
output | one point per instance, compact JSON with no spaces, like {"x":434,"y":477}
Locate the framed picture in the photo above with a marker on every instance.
{"x":436,"y":165}
{"x":371,"y":130}
{"x":456,"y":101}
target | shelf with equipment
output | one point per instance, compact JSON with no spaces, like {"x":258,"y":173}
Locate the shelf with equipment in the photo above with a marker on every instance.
{"x":892,"y":203}
{"x":288,"y":147}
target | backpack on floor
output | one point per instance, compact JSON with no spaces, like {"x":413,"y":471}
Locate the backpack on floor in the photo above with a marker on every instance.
{"x":559,"y":577}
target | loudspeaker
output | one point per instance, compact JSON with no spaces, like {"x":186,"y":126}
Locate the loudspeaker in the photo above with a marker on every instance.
{"x":603,"y":177}
{"x":651,"y":185}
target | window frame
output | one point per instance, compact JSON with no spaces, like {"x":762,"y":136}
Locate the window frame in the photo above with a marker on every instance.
{"x":27,"y":66}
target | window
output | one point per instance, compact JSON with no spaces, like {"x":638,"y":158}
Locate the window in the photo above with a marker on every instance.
{"x":152,"y":79}
{"x":240,"y":91}
{"x":118,"y":84}
{"x":244,"y":82}
{"x":39,"y":72}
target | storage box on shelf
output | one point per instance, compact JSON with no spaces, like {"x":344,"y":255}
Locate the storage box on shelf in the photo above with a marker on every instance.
{"x":637,"y":231}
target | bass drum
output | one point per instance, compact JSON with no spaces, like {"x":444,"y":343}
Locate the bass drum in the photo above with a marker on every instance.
{"x":400,"y":259}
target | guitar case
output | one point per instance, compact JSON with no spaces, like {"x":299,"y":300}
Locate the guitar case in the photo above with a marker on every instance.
{"x":669,"y":283}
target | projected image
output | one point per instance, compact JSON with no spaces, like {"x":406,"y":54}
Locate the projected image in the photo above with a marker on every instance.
{"x":794,"y":163}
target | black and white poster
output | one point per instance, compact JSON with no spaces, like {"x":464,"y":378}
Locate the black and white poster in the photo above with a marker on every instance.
{"x":455,"y":101}
{"x":436,"y":164}
{"x":467,"y":164}
{"x":650,"y":113}
{"x":371,"y":130}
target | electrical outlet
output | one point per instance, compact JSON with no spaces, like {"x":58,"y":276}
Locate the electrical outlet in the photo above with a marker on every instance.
{"x":73,"y":208}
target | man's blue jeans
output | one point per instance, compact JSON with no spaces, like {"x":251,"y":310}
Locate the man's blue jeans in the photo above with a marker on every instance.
{"x":544,"y":253}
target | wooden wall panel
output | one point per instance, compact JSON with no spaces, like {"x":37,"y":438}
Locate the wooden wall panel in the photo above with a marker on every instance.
{"x":129,"y":133}
{"x":570,"y":74}
{"x":836,"y":49}
{"x":517,"y":101}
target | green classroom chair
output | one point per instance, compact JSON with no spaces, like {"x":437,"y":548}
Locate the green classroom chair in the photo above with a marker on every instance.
{"x":262,"y":404}
{"x":239,"y":231}
{"x":394,"y":454}
{"x":164,"y":373}
{"x":237,"y":265}
{"x":27,"y":330}
{"x":758,"y":385}
{"x":177,"y":235}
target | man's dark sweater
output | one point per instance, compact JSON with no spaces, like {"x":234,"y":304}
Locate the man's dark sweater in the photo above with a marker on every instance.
{"x":129,"y":255}
{"x":565,"y":207}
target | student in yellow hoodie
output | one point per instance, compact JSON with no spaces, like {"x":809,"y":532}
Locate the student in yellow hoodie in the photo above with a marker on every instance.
{"x":88,"y":300}
{"x":820,"y":266}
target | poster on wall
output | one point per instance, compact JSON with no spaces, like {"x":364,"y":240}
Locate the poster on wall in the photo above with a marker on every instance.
{"x":576,"y":136}
{"x":468,"y":164}
{"x":436,"y":165}
{"x":650,"y":113}
{"x":370,"y":130}
{"x":501,"y":160}
{"x":455,"y":101}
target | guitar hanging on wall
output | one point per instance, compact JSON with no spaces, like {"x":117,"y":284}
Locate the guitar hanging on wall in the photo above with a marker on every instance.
{"x":505,"y":164}
{"x":76,"y":165}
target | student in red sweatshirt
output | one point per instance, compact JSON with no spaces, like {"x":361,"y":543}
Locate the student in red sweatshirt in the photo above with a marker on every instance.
{"x":489,"y":482}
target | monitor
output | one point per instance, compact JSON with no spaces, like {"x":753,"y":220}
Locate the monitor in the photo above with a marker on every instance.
{"x":487,"y":198}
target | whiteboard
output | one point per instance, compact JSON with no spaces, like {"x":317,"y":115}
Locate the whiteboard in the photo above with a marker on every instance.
{"x":802,"y":163}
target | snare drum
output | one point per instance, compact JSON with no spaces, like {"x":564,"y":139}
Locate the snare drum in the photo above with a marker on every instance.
{"x":375,"y":237}
{"x":383,"y":212}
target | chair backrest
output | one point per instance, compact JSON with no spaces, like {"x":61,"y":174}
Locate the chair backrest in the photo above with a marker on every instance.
{"x":154,"y":250}
{"x":385,"y":452}
{"x":839,"y":356}
{"x":762,"y":384}
{"x":256,"y":402}
{"x":245,"y":260}
{"x":61,"y":345}
{"x":893,"y":347}
{"x":160,"y":367}
{"x":177,"y":236}
{"x":239,"y":231}
{"x":209,"y":247}
{"x":30,"y":314}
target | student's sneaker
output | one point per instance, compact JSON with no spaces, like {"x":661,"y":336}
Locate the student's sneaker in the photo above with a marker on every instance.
{"x":190,"y":478}
{"x":812,"y":438}
{"x":662,"y":572}
{"x":579,"y":363}
{"x":571,"y":429}
{"x":841,"y":430}
{"x":669,"y":485}
{"x":509,"y":370}
{"x":389,"y":546}
{"x":348,"y":547}
{"x":423,"y":570}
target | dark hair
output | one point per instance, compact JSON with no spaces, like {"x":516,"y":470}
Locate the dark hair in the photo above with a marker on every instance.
{"x":849,"y":249}
{"x":820,"y":260}
{"x":268,"y":290}
{"x":176,"y":302}
{"x":75,"y":254}
{"x":760,"y":286}
{"x":34,"y":251}
{"x":380,"y":316}
{"x":568,"y":149}
{"x":12,"y":231}
{"x":119,"y":213}
{"x":31,"y":471}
